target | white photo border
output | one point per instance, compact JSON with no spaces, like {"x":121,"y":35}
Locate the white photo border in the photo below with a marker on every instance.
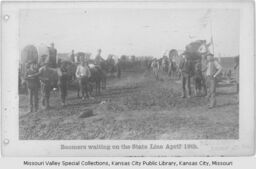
{"x":12,"y":146}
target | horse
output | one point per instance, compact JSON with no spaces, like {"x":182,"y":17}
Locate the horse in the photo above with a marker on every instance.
{"x":111,"y":66}
{"x":98,"y":77}
{"x":174,"y":69}
{"x":174,"y":60}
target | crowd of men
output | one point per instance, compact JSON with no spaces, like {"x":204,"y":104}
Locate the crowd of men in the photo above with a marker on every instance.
{"x":43,"y":76}
{"x":203,"y":73}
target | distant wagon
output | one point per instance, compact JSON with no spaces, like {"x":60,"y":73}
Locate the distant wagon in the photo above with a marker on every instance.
{"x":82,"y":56}
{"x":47,"y":55}
{"x":29,"y":54}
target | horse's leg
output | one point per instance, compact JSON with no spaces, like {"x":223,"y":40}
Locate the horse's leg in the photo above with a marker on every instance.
{"x":98,"y":87}
{"x":90,"y":88}
{"x":103,"y":82}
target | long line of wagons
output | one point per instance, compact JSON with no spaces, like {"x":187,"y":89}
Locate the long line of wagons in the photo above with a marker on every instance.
{"x":169,"y":63}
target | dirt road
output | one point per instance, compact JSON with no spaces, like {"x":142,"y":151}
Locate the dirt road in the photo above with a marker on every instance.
{"x":134,"y":107}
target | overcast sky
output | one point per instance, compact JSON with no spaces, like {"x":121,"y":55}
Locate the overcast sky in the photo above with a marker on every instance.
{"x":130,"y":31}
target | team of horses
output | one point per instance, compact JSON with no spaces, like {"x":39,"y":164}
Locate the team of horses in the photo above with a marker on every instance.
{"x":97,"y":80}
{"x":100,"y":71}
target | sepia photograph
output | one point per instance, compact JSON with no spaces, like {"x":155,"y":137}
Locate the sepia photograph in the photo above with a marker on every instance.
{"x":129,"y":74}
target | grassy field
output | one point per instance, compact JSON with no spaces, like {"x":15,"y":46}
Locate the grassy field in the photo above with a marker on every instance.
{"x":134,"y":107}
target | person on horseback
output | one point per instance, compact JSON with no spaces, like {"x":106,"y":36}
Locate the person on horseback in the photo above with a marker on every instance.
{"x":72,"y":56}
{"x":98,"y":58}
{"x":52,"y":56}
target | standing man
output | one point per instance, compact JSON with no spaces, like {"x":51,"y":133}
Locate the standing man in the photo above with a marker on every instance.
{"x":164,"y":63}
{"x":33,"y":86}
{"x":52,"y":56}
{"x":155,"y":66}
{"x":213,"y":69}
{"x":170,"y":67}
{"x":98,"y":58}
{"x":204,"y":65}
{"x":83,"y":74}
{"x":118,"y":67}
{"x":72,"y":56}
{"x":44,"y":74}
{"x":62,"y":82}
{"x":73,"y":59}
{"x":186,"y":72}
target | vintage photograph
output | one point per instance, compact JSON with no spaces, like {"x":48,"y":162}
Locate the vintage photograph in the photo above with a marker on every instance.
{"x":129,"y":74}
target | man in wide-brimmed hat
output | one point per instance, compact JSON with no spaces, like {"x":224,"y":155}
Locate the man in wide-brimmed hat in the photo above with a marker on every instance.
{"x":44,"y":74}
{"x":32,"y":84}
{"x":52,"y":56}
{"x":213,"y":69}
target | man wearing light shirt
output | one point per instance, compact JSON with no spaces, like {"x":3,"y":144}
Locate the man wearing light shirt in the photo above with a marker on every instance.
{"x":213,"y":69}
{"x":83,"y":74}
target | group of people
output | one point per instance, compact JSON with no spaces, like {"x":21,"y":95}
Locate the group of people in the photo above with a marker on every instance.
{"x":203,"y":73}
{"x":37,"y":76}
{"x":49,"y":76}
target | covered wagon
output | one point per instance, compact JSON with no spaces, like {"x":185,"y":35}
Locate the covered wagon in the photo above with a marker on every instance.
{"x":40,"y":55}
{"x":29,"y":54}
